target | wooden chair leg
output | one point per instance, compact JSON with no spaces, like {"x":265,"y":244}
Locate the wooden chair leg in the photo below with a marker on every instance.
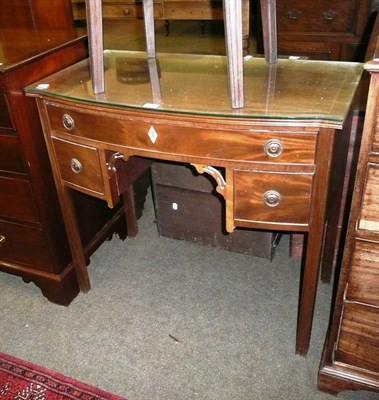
{"x":234,"y":52}
{"x":148,"y":14}
{"x":95,"y":42}
{"x":268,"y":11}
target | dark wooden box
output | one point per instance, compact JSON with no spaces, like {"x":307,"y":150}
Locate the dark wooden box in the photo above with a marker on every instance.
{"x":188,"y":207}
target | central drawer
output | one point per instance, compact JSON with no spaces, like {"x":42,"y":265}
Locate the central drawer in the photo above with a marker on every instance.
{"x":128,"y":10}
{"x":149,"y":135}
{"x":203,"y":10}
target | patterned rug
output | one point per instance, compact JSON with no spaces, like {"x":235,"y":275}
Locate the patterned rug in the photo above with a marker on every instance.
{"x":20,"y":380}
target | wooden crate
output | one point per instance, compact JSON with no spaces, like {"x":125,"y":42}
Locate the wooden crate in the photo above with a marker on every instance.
{"x":187,"y":207}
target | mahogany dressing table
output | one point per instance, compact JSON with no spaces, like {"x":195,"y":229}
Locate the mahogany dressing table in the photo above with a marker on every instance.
{"x":277,"y":154}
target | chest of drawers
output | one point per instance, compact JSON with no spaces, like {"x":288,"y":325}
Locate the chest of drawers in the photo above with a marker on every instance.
{"x":324,"y":30}
{"x":33,"y":239}
{"x":351,"y":354}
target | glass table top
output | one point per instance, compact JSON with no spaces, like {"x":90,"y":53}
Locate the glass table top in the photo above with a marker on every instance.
{"x":198,"y":84}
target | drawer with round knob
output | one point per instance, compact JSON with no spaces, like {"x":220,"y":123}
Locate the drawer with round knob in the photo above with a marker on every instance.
{"x":272,"y":198}
{"x":127,"y":10}
{"x":79,"y":166}
{"x":208,"y":141}
{"x":321,"y":16}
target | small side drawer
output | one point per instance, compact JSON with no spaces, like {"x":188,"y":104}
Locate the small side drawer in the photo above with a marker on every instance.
{"x":363,"y":280}
{"x":16,"y":200}
{"x":271,"y":197}
{"x":321,"y":16}
{"x":11,"y":159}
{"x":369,"y":217}
{"x":25,"y":245}
{"x":358,"y":337}
{"x":153,"y":136}
{"x":79,"y":165}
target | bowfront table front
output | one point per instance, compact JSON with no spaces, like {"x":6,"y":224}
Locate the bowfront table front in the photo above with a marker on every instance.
{"x":276,"y":162}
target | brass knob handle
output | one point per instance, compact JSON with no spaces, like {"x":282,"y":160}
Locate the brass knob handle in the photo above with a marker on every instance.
{"x":272,"y":198}
{"x":273,"y":148}
{"x":68,"y":122}
{"x":329,"y":14}
{"x":126,"y":11}
{"x":2,"y":240}
{"x":76,"y":166}
{"x":294,"y":13}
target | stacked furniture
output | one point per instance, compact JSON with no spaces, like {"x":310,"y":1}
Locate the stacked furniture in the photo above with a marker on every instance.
{"x":167,"y":10}
{"x":38,"y":39}
{"x":323,"y":30}
{"x":351,"y":353}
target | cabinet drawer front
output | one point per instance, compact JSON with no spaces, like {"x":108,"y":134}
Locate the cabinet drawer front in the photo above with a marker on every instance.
{"x":358,"y":337}
{"x":363,"y":280}
{"x":25,"y":245}
{"x":10,"y":155}
{"x":16,"y":200}
{"x":122,"y":11}
{"x":278,"y":198}
{"x":193,"y":10}
{"x":369,"y":217}
{"x":79,"y":165}
{"x":313,"y":50}
{"x":128,"y":10}
{"x":5,"y":118}
{"x":322,"y":16}
{"x":150,"y":136}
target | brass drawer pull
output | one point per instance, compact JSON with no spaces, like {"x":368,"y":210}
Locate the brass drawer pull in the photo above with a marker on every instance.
{"x":68,"y":122}
{"x":126,"y":11}
{"x":329,"y":14}
{"x":76,"y":166}
{"x":273,"y":148}
{"x":294,"y":13}
{"x":272,"y":198}
{"x":2,"y":240}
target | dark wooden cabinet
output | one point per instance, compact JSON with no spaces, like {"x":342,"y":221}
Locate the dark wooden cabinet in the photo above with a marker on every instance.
{"x":351,"y":354}
{"x":322,"y":30}
{"x":33,"y":240}
{"x":36,"y":14}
